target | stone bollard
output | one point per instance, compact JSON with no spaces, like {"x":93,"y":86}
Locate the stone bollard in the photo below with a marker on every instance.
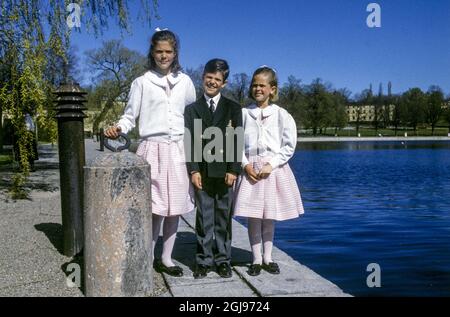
{"x":118,"y":226}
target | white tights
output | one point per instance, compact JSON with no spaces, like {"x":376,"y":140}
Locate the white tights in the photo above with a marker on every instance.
{"x":260,"y":233}
{"x":170,"y":228}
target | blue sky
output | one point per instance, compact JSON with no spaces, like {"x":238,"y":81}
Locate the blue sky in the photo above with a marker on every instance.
{"x":308,"y":39}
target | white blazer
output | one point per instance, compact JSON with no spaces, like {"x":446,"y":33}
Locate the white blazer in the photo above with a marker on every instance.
{"x":268,"y":132}
{"x":161,"y":117}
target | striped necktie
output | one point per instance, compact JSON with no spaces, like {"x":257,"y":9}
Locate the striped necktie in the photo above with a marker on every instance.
{"x":211,"y":106}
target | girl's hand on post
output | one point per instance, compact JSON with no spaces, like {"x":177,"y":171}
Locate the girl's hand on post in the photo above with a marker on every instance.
{"x":251,"y":173}
{"x":113,"y":132}
{"x":265,"y":171}
{"x":196,"y":179}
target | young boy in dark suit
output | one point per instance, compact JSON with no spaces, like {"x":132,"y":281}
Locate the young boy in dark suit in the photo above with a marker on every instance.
{"x":214,"y":170}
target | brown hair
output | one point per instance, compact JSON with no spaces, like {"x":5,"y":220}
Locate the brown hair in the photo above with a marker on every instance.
{"x":170,"y":37}
{"x":217,"y":65}
{"x":273,"y":81}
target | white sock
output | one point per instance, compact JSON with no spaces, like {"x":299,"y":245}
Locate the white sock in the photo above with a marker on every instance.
{"x":268,"y":229}
{"x":156,"y":228}
{"x":254,"y":235}
{"x":170,"y":228}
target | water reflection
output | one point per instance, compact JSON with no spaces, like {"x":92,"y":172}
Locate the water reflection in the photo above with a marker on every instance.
{"x":370,"y":145}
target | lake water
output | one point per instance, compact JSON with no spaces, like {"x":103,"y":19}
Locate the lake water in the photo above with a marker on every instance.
{"x":373,"y":202}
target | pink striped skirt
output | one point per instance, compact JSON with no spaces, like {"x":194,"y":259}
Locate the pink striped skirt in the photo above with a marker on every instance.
{"x":276,"y":197}
{"x":172,"y":192}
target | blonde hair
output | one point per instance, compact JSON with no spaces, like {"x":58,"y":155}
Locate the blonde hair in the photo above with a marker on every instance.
{"x":273,"y":81}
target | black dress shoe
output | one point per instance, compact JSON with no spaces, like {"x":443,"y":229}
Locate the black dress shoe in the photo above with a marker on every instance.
{"x":254,"y":269}
{"x":171,"y":270}
{"x":224,"y":270}
{"x":201,"y":271}
{"x":272,"y":268}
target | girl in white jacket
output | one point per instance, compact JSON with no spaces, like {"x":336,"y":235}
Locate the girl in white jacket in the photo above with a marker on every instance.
{"x":267,"y":189}
{"x":157,"y":99}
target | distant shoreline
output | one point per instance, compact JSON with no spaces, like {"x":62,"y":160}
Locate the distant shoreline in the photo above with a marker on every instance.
{"x":372,"y":139}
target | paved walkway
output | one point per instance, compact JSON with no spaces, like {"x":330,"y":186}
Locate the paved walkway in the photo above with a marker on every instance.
{"x":32,"y":263}
{"x":31,"y":259}
{"x":295,"y":279}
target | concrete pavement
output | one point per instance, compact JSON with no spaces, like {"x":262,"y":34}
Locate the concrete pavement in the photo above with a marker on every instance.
{"x":32,"y":263}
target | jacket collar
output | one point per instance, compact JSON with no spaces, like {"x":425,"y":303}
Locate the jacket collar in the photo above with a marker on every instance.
{"x":201,"y":107}
{"x":161,"y":80}
{"x":220,"y":111}
{"x":203,"y":111}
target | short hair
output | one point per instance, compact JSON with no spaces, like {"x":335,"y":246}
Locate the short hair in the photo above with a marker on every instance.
{"x":273,"y":81}
{"x":169,"y":36}
{"x":217,"y":65}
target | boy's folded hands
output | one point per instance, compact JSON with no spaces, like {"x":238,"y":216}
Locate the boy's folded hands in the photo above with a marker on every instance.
{"x":229,"y":179}
{"x":196,"y":179}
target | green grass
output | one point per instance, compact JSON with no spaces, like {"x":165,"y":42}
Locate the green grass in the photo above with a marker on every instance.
{"x":5,"y":159}
{"x":370,"y":132}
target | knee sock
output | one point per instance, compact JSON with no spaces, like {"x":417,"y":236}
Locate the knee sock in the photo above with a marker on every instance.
{"x":170,"y":228}
{"x":254,"y":235}
{"x":268,"y":229}
{"x":156,"y":228}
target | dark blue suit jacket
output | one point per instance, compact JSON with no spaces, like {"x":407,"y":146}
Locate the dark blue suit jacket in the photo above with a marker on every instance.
{"x":227,"y":114}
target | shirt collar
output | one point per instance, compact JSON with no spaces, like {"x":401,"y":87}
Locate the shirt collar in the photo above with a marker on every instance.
{"x":216,"y":99}
{"x":256,"y":111}
{"x":161,"y":80}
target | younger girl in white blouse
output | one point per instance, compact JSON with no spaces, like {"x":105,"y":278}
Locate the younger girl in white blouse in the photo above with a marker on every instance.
{"x":158,"y":99}
{"x":267,"y":190}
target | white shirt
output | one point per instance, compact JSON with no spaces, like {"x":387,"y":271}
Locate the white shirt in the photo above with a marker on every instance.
{"x":216,"y":99}
{"x":269,"y":132}
{"x":160,"y":113}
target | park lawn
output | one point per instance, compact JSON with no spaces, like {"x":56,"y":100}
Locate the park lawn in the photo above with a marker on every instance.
{"x":370,"y":132}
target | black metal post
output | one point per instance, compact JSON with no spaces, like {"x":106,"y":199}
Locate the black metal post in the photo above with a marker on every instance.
{"x":102,"y":140}
{"x":70,"y":105}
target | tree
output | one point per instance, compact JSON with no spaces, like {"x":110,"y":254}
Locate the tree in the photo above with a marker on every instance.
{"x":238,"y":88}
{"x":388,"y":106}
{"x":292,"y":97}
{"x":340,"y":100}
{"x":115,"y":67}
{"x":446,"y":115}
{"x":414,"y":101}
{"x":197,"y":78}
{"x":378,"y":108}
{"x":25,"y":49}
{"x":397,"y":112}
{"x":318,"y":104}
{"x":362,"y":99}
{"x":433,"y":109}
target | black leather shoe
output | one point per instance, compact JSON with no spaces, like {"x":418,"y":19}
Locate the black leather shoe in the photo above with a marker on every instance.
{"x":272,"y":268}
{"x":171,"y":270}
{"x":254,"y":269}
{"x":201,"y":271}
{"x":224,"y":270}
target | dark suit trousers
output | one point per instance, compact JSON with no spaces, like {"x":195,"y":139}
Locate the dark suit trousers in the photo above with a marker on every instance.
{"x":213,"y":219}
